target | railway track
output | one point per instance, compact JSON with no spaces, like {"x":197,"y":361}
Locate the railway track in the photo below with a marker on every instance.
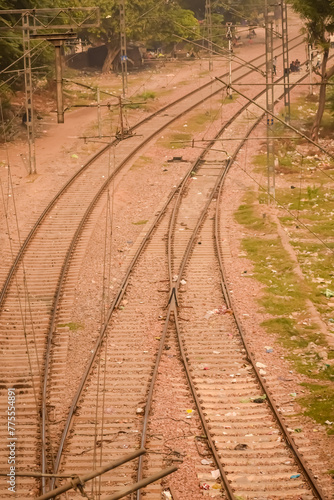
{"x":209,"y":174}
{"x":23,"y":281}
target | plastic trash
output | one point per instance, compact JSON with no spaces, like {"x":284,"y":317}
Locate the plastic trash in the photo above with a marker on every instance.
{"x":183,"y":282}
{"x":206,"y":462}
{"x":328,"y":293}
{"x":205,"y":486}
{"x":74,"y":156}
{"x":328,"y":422}
{"x":294,"y":476}
{"x":215,"y":473}
{"x":167,"y":495}
{"x":241,"y":446}
{"x":216,"y":486}
{"x":220,"y":310}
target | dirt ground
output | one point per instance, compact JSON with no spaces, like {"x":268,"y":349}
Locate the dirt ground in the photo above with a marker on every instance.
{"x":60,"y":152}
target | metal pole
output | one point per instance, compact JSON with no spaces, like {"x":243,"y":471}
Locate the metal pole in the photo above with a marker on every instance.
{"x":230,"y":68}
{"x":310,"y":67}
{"x":28,"y":93}
{"x":59,"y":81}
{"x":229,"y":37}
{"x":269,"y":104}
{"x":209,"y":28}
{"x":77,"y":481}
{"x":98,"y":99}
{"x":121,"y":116}
{"x":124,"y":57}
{"x":286,"y":66}
{"x":141,"y":484}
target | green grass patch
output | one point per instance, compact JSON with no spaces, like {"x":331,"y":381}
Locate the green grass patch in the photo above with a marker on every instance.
{"x":273,"y":267}
{"x":140,"y":222}
{"x":319,"y":404}
{"x":248,"y":216}
{"x":287,"y":332}
{"x":72,"y":326}
{"x":141,"y":162}
{"x":176,"y":140}
{"x":230,"y":99}
{"x":141,"y":100}
{"x":197,"y":122}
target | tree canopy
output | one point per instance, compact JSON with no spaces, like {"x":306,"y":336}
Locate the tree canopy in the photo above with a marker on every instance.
{"x":146,"y":21}
{"x":318,"y":16}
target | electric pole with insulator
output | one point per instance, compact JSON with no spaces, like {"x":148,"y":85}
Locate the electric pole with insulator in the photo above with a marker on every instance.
{"x":209,"y":29}
{"x":229,"y":37}
{"x":124,"y":57}
{"x":269,"y":29}
{"x":286,"y":67}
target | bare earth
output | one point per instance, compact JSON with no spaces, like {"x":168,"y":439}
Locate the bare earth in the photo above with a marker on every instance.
{"x":55,"y":148}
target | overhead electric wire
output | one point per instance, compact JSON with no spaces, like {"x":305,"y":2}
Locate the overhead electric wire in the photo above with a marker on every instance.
{"x":283,"y":122}
{"x":21,"y":57}
{"x":246,"y":63}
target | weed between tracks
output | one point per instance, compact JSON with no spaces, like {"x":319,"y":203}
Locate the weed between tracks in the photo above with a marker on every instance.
{"x":307,"y":197}
{"x":194,"y":124}
{"x":72,"y":326}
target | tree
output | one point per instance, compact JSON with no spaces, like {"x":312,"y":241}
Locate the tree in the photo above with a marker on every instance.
{"x":319,"y":21}
{"x":146,"y":20}
{"x":237,"y":11}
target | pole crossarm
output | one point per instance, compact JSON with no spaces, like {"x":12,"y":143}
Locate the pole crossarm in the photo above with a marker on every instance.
{"x":278,"y":119}
{"x":67,"y":18}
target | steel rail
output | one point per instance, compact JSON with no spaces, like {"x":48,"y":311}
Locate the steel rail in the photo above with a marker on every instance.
{"x":229,"y":301}
{"x":87,"y":165}
{"x":72,"y":246}
{"x":172,"y":307}
{"x":116,"y":301}
{"x":71,"y":249}
{"x":173,"y":292}
{"x":75,"y":240}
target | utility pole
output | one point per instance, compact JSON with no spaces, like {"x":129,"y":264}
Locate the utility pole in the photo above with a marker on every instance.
{"x":124,"y":57}
{"x":286,"y":66}
{"x":209,"y":28}
{"x":229,"y":37}
{"x":269,"y":30}
{"x":121,"y":117}
{"x":98,"y":100}
{"x":28,"y":94}
{"x":310,"y":68}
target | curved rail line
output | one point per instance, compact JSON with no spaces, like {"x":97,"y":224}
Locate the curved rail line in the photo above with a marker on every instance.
{"x":185,"y":261}
{"x":52,"y":203}
{"x":72,"y":244}
{"x":75,"y":240}
{"x":172,"y":308}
